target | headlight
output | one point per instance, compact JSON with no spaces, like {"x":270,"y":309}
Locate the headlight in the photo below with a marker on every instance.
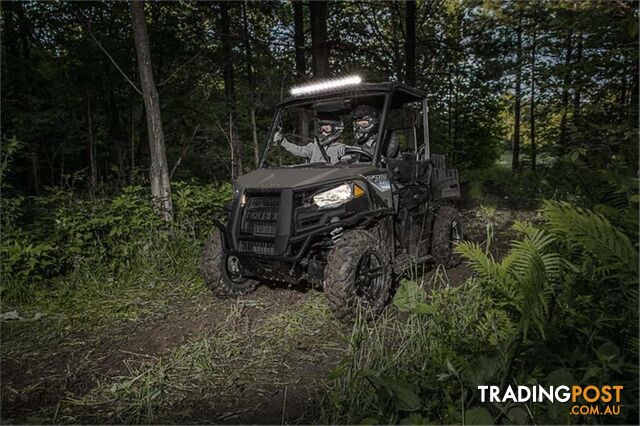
{"x":338,"y":195}
{"x":334,"y":196}
{"x":237,"y":192}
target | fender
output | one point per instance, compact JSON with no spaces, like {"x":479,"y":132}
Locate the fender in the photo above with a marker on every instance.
{"x":223,"y":234}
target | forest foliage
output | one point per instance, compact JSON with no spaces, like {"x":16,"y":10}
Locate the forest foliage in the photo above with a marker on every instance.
{"x":70,"y":95}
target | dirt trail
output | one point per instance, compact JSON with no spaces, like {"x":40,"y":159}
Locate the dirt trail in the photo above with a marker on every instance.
{"x":33,"y":387}
{"x":81,"y":364}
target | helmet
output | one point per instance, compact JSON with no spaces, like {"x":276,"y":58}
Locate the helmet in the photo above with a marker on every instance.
{"x":328,"y":130}
{"x":365,"y":122}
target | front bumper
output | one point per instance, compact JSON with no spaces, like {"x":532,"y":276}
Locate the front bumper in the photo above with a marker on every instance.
{"x":273,"y":233}
{"x":302,"y":241}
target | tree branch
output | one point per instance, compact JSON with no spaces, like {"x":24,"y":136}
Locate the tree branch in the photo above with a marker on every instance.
{"x":113,"y":61}
{"x":184,"y":151}
{"x":166,"y":80}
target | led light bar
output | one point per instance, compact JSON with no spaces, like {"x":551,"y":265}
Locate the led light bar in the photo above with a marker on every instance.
{"x":326,"y":85}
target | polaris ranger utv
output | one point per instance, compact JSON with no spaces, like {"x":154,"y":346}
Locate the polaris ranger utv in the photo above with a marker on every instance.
{"x":350,"y":222}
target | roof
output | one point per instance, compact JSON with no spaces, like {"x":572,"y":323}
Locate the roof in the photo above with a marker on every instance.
{"x":363,"y":89}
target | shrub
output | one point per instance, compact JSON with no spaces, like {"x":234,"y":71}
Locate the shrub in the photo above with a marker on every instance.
{"x":197,"y":205}
{"x":59,"y":232}
{"x":25,"y":264}
{"x":560,"y":308}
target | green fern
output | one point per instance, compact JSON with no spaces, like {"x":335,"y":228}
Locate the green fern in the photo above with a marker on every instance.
{"x":616,"y":189}
{"x":523,"y":277}
{"x":497,"y":328}
{"x":592,"y":233}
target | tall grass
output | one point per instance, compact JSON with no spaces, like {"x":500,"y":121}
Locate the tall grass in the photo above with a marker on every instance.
{"x":196,"y":380}
{"x":527,"y":318}
{"x":395,"y":364}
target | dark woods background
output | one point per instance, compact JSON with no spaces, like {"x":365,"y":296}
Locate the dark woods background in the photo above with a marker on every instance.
{"x":544,"y":78}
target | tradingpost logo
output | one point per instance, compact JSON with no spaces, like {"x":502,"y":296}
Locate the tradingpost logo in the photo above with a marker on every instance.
{"x":585,"y":400}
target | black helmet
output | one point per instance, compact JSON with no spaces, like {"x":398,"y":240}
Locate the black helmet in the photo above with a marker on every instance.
{"x":365,"y":122}
{"x":328,"y":129}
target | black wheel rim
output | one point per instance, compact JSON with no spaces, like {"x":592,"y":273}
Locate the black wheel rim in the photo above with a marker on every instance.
{"x":235,"y":276}
{"x":369,"y":278}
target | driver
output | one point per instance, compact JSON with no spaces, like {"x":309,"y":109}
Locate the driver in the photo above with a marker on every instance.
{"x":365,"y":126}
{"x":326,"y":146}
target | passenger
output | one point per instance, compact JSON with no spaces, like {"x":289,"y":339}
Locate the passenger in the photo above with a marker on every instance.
{"x":366,"y":119}
{"x":328,"y":133}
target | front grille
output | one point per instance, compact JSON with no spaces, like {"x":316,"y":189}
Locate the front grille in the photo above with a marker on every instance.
{"x":260,"y":215}
{"x":263,"y":201}
{"x":259,"y":247}
{"x":258,"y":224}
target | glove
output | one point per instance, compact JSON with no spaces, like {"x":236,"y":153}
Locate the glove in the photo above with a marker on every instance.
{"x":345,"y":158}
{"x":278,"y":137}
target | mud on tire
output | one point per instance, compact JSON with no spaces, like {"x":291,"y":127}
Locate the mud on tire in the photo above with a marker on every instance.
{"x":217,"y":277}
{"x":445,"y":236}
{"x":343,"y":285}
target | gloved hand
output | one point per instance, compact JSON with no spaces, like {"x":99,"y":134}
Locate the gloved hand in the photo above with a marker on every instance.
{"x":278,"y":137}
{"x":345,"y":158}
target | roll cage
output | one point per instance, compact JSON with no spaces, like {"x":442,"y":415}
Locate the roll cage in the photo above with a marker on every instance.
{"x":395,"y":94}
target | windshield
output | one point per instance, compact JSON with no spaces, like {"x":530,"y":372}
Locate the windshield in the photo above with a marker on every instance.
{"x":325,"y":132}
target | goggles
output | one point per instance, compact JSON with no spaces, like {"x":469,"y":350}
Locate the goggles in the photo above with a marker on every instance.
{"x":363,"y":122}
{"x":325,"y":129}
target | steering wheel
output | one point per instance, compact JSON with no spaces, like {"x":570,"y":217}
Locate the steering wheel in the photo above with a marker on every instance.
{"x":357,"y":150}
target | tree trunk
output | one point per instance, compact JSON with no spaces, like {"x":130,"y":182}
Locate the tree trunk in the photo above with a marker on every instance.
{"x":133,"y":146}
{"x":229,"y":89}
{"x":623,"y":97}
{"x":633,"y":95}
{"x":450,"y":105}
{"x":319,"y":45}
{"x":116,"y":130}
{"x":159,"y":170}
{"x":565,"y":93}
{"x":532,"y":111}
{"x":515,"y":149}
{"x":395,"y":41}
{"x":576,"y":93}
{"x":35,"y":168}
{"x":93,"y":182}
{"x":301,"y":69}
{"x":298,"y":39}
{"x":410,"y":42}
{"x":251,"y":83}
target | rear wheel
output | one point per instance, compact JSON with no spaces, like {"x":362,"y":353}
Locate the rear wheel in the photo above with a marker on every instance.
{"x":221,"y":272}
{"x":358,"y":273}
{"x":447,"y":232}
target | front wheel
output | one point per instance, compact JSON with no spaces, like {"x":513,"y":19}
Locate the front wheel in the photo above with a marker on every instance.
{"x":358,"y":273}
{"x":221,"y":272}
{"x":447,"y":233}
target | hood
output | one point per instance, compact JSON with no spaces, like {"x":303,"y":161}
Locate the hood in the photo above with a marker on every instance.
{"x":297,"y":177}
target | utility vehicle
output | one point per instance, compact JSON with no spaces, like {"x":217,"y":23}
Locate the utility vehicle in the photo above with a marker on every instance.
{"x":351,"y":227}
